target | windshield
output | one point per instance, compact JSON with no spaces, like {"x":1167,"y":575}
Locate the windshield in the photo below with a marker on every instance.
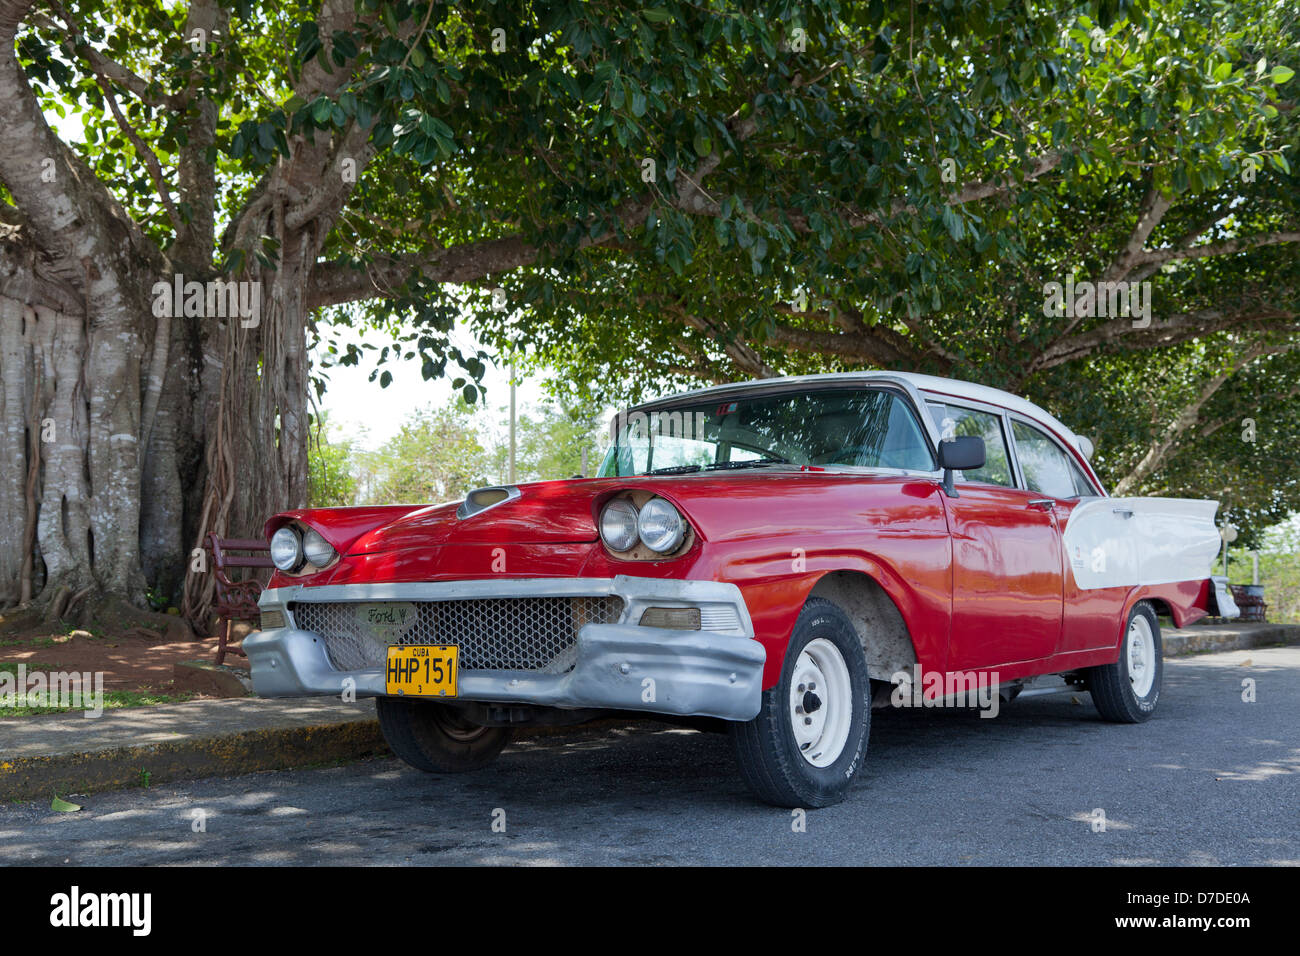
{"x":862,"y":427}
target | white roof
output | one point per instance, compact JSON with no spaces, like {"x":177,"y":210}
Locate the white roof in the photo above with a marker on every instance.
{"x":932,"y":384}
{"x":993,"y":396}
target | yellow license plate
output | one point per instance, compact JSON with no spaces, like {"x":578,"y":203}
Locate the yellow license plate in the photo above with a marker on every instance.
{"x":424,"y":670}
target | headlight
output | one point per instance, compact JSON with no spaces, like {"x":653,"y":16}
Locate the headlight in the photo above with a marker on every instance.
{"x":286,"y":549}
{"x":316,"y":549}
{"x":661,"y":528}
{"x":618,"y":525}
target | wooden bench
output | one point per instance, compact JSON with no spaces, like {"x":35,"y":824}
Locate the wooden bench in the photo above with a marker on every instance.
{"x":236,"y":600}
{"x":1252,"y":606}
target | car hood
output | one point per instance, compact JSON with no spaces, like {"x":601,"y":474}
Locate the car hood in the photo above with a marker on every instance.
{"x":547,"y":512}
{"x":566,"y":511}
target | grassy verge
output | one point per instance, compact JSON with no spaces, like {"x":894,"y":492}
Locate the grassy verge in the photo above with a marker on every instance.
{"x":113,"y":699}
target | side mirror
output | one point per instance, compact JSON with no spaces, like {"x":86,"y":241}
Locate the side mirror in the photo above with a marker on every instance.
{"x":959,"y":454}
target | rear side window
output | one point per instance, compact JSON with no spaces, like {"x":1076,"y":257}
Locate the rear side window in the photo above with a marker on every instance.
{"x":954,"y":421}
{"x":1048,"y":469}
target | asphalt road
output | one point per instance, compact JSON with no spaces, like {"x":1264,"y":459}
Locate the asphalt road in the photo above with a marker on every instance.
{"x":1211,"y":780}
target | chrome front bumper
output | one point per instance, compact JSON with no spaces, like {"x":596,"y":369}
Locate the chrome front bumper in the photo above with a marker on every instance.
{"x":714,"y":672}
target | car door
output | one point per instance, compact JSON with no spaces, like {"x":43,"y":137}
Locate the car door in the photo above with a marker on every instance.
{"x":1006,"y":552}
{"x":1092,"y":617}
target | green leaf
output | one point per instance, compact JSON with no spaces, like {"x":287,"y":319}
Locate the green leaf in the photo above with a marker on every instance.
{"x":721,"y":231}
{"x":657,"y":15}
{"x":1281,"y":74}
{"x":59,"y":805}
{"x":956,"y":228}
{"x":703,"y":144}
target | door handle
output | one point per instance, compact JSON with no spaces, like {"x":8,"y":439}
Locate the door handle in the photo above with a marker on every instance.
{"x":1123,"y":512}
{"x":1043,"y":503}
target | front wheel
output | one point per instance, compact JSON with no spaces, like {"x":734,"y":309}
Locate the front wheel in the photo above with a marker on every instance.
{"x":1127,"y":691}
{"x":810,"y":736}
{"x":435,"y":738}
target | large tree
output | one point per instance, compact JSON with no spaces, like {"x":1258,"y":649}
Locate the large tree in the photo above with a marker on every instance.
{"x":634,"y":193}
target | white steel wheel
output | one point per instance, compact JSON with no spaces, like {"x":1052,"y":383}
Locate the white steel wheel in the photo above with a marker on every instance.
{"x":1141,"y":649}
{"x":1127,"y":690}
{"x":808,"y":741}
{"x":821,"y":703}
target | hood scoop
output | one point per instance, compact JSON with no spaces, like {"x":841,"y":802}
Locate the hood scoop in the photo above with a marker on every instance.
{"x":481,"y":499}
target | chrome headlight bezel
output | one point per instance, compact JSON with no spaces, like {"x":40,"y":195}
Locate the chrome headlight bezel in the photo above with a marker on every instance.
{"x":291,"y":560}
{"x":660,"y":526}
{"x":315,"y":549}
{"x":620,"y":511}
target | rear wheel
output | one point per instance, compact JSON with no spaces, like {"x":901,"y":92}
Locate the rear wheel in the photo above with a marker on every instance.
{"x":435,"y":738}
{"x":1127,"y":691}
{"x":810,"y":736}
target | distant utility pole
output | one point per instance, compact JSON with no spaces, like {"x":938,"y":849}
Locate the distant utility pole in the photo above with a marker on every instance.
{"x":512,"y":423}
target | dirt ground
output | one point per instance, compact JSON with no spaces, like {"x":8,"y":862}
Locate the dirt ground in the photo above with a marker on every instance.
{"x":132,"y":657}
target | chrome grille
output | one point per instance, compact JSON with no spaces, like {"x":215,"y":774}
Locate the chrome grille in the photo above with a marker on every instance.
{"x":529,"y":633}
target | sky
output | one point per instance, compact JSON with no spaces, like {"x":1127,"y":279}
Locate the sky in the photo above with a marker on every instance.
{"x":359,"y":409}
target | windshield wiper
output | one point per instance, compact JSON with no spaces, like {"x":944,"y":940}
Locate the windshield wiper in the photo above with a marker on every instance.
{"x":674,"y":470}
{"x":752,"y":463}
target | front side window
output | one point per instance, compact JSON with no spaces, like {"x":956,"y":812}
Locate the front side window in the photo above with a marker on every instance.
{"x":1048,"y":469}
{"x":859,"y":427}
{"x":953,"y":421}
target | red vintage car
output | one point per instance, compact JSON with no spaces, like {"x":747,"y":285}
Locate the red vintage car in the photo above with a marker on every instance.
{"x":770,"y":557}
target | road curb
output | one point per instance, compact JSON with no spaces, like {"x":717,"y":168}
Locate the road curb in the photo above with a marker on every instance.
{"x":1208,"y":639}
{"x":269,"y":748}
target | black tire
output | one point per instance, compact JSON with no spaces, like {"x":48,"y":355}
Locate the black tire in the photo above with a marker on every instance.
{"x":770,"y":759}
{"x":434,"y":738}
{"x":1111,"y":685}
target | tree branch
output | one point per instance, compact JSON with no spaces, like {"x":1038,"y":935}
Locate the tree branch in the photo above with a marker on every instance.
{"x":1152,"y":210}
{"x":62,"y":209}
{"x":103,"y":66}
{"x":745,"y":358}
{"x":1177,"y":328}
{"x":1188,"y":416}
{"x":1225,"y":247}
{"x":147,"y":156}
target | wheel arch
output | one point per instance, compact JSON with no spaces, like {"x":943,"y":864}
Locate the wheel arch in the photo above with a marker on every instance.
{"x":1158,"y":603}
{"x":1162,"y":607}
{"x":880,"y":626}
